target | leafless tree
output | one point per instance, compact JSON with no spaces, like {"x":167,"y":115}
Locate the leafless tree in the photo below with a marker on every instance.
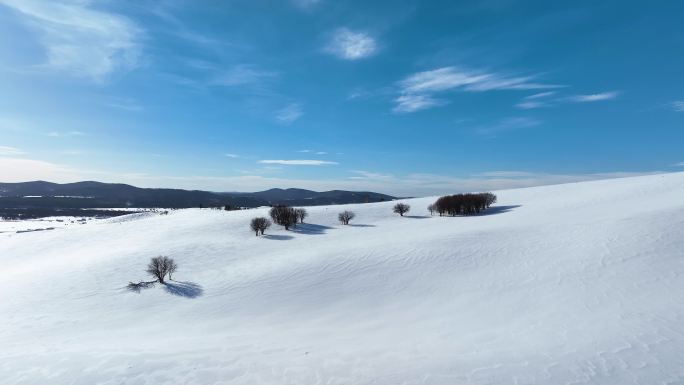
{"x":284,"y":216}
{"x":260,"y":224}
{"x":301,"y":214}
{"x":401,"y":208}
{"x":159,"y":267}
{"x":171,"y":267}
{"x":431,"y":208}
{"x":346,"y":216}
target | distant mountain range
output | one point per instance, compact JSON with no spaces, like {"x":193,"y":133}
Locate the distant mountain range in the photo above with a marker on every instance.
{"x":40,"y":194}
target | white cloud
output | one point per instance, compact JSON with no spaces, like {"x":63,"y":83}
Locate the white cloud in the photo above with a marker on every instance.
{"x":540,"y":95}
{"x":228,"y":155}
{"x":450,"y":78}
{"x":542,"y":99}
{"x":413,"y":103}
{"x":594,"y":97}
{"x":289,"y":113}
{"x":528,"y":105}
{"x":298,"y":162}
{"x":350,"y":45}
{"x":22,"y":170}
{"x":680,"y":164}
{"x":9,"y":151}
{"x":80,"y":40}
{"x":56,"y":134}
{"x":368,"y":175}
{"x":417,"y":90}
{"x":678,"y":105}
{"x":538,"y":100}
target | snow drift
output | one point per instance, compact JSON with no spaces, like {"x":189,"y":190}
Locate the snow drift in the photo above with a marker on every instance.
{"x":568,"y":284}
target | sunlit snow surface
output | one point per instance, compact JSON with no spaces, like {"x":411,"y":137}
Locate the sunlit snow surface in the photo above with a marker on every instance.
{"x":570,"y":284}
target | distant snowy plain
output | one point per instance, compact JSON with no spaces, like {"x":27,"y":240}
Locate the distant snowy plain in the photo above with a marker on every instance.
{"x":578,"y":283}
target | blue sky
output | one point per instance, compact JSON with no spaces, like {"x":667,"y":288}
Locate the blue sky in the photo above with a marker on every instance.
{"x":408,"y":98}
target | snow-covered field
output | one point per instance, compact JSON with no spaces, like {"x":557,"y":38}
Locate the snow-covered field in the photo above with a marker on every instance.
{"x":570,"y":284}
{"x":41,"y":224}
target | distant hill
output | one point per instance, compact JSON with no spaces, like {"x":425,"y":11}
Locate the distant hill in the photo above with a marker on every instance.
{"x":91,"y":194}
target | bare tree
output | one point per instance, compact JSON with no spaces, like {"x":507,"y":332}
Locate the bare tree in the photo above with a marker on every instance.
{"x":401,"y":208}
{"x":284,"y":216}
{"x":171,"y":267}
{"x":159,"y":267}
{"x":301,"y":214}
{"x":346,"y":216}
{"x":260,"y":224}
{"x":431,"y":208}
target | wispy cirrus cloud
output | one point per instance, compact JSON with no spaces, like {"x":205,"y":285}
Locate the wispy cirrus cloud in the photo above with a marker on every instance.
{"x":369,"y":175}
{"x":10,"y":151}
{"x":412,"y":103}
{"x":289,"y":113}
{"x":417,"y":91}
{"x":81,"y":40}
{"x":62,"y":134}
{"x":298,"y":162}
{"x":678,"y":105}
{"x":547,"y":99}
{"x":594,"y":97}
{"x":229,"y":155}
{"x":350,"y":45}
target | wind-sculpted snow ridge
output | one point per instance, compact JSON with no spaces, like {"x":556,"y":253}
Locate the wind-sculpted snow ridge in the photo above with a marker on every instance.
{"x":570,"y":284}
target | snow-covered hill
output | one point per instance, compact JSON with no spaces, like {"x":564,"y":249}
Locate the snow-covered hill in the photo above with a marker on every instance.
{"x":569,"y":284}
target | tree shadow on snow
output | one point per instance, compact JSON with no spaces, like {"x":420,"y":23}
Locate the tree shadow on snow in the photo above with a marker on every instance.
{"x":278,"y":237}
{"x":184,"y":289}
{"x":498,"y":210}
{"x":417,"y":216}
{"x":355,"y":225}
{"x":138,"y":287}
{"x":310,"y":229}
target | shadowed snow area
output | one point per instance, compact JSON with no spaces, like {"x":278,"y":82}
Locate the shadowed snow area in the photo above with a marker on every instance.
{"x":569,"y":284}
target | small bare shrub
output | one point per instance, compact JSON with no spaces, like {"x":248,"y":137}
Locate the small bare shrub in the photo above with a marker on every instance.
{"x":346,"y":216}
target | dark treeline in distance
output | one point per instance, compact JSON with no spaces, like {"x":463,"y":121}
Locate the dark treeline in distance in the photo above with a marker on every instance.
{"x":463,"y":204}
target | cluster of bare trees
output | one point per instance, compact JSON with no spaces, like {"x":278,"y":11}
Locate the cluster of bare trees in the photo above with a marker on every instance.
{"x":260,"y":224}
{"x":401,"y":208}
{"x":160,"y":266}
{"x":285,"y":216}
{"x":462,"y":204}
{"x":281,"y":215}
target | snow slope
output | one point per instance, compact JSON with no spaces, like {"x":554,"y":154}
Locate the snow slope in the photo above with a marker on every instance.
{"x":570,"y":284}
